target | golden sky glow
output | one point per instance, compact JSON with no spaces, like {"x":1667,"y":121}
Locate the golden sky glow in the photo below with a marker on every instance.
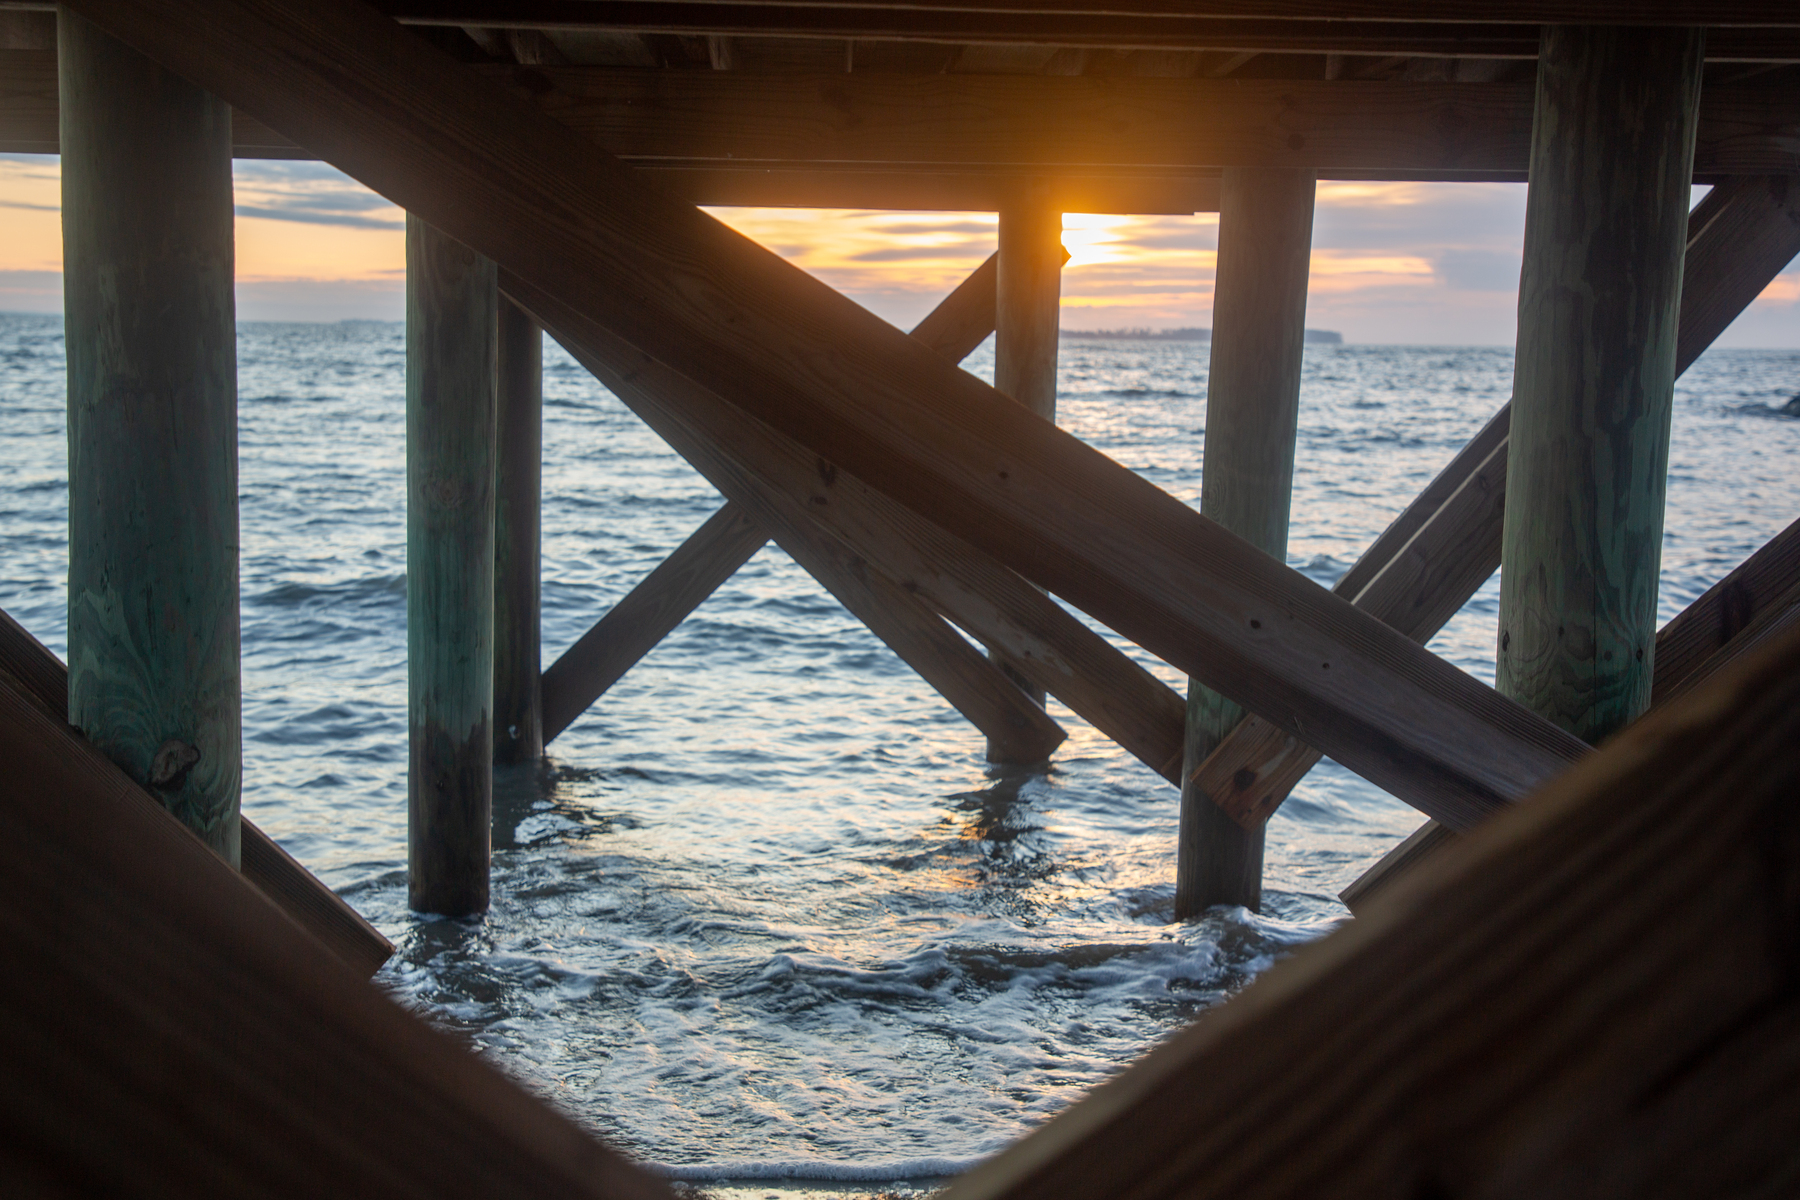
{"x":1396,"y":262}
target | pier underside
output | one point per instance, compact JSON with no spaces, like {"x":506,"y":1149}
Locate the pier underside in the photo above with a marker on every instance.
{"x":1586,"y":990}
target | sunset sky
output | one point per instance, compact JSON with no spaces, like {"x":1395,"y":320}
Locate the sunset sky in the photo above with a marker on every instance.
{"x":1392,"y":262}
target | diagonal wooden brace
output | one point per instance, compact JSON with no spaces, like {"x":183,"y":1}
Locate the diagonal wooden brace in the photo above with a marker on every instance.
{"x":612,"y":257}
{"x":714,"y":552}
{"x":647,"y":614}
{"x":1050,"y":647}
{"x":1424,"y":568}
{"x":29,"y":668}
{"x":1756,"y":603}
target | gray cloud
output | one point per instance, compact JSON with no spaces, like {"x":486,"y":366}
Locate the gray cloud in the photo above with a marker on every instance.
{"x":306,"y":214}
{"x":1479,"y":270}
{"x":908,"y":253}
{"x":310,"y":193}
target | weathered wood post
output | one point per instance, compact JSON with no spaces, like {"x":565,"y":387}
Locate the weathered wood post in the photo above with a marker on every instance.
{"x":1028,"y":299}
{"x":518,"y":693}
{"x":1252,"y":413}
{"x":150,"y":322}
{"x":451,"y":329}
{"x":1611,"y":158}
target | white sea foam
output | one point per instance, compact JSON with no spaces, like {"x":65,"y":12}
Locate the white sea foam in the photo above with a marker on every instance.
{"x":768,"y":914}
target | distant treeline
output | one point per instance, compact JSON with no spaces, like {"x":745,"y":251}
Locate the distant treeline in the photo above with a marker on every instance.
{"x":1322,"y":337}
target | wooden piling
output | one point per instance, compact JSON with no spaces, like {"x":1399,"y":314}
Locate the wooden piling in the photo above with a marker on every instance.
{"x":1252,"y":414}
{"x":450,"y":435}
{"x":1027,"y":317}
{"x":858,"y":393}
{"x":1027,"y":296}
{"x":518,"y":695}
{"x":1606,"y":219}
{"x":149,"y":317}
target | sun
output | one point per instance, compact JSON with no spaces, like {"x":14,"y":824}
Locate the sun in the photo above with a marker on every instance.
{"x":1092,"y":238}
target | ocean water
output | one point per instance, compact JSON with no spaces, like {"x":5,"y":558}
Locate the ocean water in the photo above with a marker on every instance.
{"x":764,"y":912}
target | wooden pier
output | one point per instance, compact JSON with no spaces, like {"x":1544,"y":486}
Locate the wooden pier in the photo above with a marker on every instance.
{"x":1573,"y":980}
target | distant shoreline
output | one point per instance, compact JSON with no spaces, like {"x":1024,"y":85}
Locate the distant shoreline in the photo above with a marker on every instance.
{"x":1314,"y":337}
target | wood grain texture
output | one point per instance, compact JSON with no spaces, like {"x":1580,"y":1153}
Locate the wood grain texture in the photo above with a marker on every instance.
{"x":1449,"y":549}
{"x":1252,"y":417}
{"x":518,"y":485}
{"x":731,"y":137}
{"x":179,"y":1036}
{"x":686,"y":291}
{"x":647,"y":614}
{"x":149,"y":320}
{"x":1443,"y":485}
{"x":1594,"y":377}
{"x":1591,"y":997}
{"x":741,"y":456}
{"x":38,"y":676}
{"x":451,"y":330}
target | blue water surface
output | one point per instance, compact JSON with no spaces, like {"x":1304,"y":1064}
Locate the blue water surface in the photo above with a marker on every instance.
{"x":765,"y":910}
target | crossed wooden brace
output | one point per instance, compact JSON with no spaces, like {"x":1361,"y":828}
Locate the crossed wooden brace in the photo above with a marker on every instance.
{"x":1417,"y":575}
{"x":768,"y":376}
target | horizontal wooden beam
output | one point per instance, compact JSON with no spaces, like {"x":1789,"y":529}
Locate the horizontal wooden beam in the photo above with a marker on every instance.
{"x":1591,"y":997}
{"x":1122,"y":144}
{"x":1018,"y":25}
{"x":1512,"y":12}
{"x":166,"y":1031}
{"x":1050,"y":122}
{"x":612,"y":258}
{"x":931,"y":190}
{"x":1446,"y":543}
{"x":571,"y":14}
{"x":646,"y":615}
{"x":40,"y":677}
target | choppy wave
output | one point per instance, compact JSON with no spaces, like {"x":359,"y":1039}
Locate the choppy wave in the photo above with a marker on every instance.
{"x":766,"y":912}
